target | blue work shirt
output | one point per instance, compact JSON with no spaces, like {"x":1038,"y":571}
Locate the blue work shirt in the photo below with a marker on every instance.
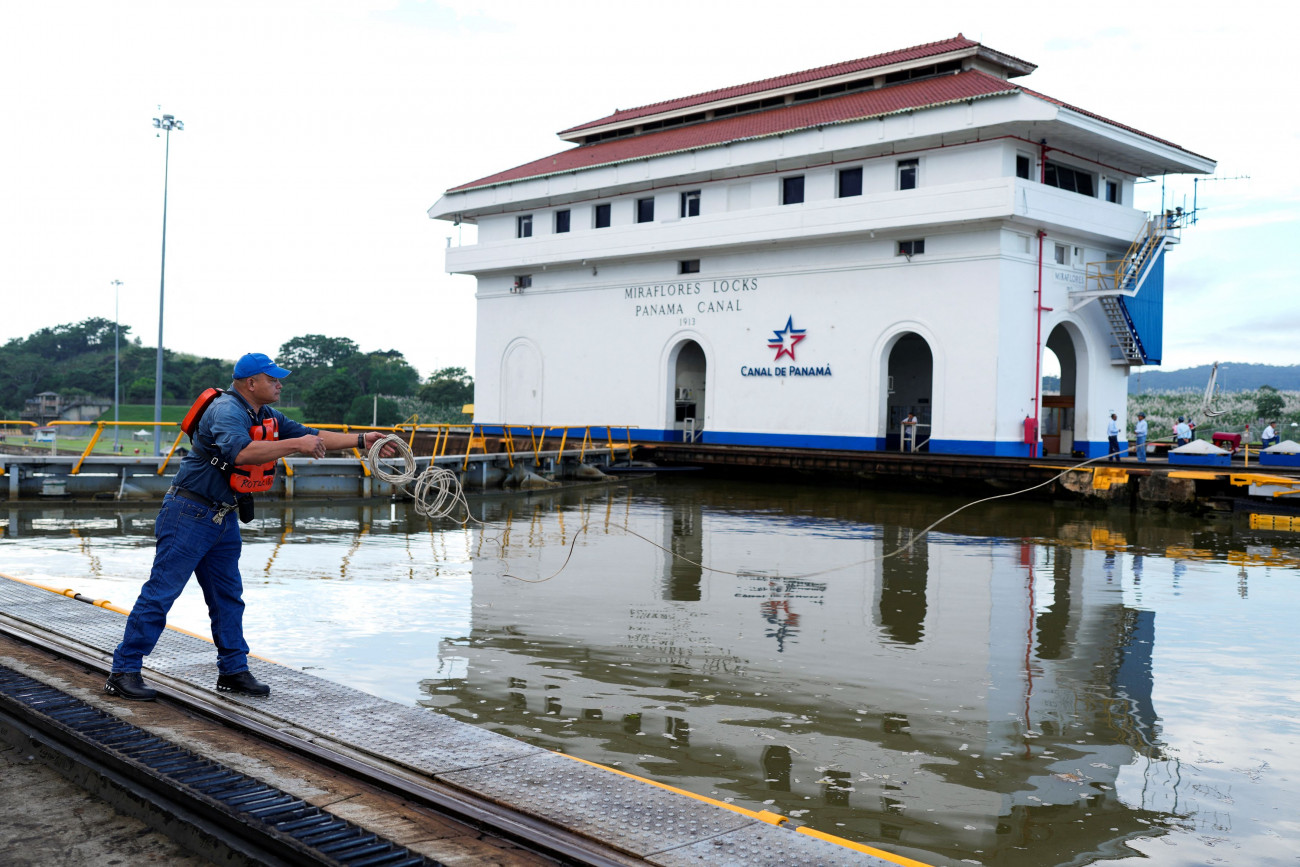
{"x":224,"y":426}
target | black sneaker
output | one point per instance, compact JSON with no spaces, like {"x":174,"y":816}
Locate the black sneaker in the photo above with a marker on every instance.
{"x":242,"y":683}
{"x":130,"y":685}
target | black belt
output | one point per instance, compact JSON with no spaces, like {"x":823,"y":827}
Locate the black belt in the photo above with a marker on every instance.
{"x":221,"y":509}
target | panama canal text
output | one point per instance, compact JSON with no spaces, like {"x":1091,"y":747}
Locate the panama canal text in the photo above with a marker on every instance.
{"x":681,"y":299}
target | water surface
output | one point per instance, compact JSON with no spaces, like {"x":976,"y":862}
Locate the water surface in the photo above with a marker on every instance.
{"x":1025,"y":685}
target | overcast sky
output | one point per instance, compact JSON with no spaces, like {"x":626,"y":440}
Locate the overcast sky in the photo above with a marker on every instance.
{"x":318,"y":133}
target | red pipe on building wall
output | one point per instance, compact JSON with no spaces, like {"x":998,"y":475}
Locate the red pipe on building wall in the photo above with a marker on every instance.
{"x":1038,"y":316}
{"x":1038,"y":348}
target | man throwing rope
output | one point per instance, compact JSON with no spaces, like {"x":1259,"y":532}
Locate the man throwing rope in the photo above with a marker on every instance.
{"x":237,"y":442}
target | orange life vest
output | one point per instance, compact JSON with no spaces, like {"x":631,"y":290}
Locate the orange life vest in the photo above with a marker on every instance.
{"x":243,"y":478}
{"x":256,"y":478}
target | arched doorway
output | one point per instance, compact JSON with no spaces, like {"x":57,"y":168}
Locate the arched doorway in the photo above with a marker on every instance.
{"x":1058,"y":416}
{"x":521,"y":384}
{"x":909,"y":389}
{"x":687,"y":368}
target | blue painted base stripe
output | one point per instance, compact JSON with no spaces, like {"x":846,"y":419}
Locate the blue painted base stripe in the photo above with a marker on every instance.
{"x":795,"y":441}
{"x":979,"y":448}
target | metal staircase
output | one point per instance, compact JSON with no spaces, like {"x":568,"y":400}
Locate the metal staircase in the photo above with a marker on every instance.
{"x":1111,"y":281}
{"x":1122,"y":330}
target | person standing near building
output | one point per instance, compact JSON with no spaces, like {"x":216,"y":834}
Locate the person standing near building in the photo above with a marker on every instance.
{"x":1270,"y":436}
{"x":909,"y":432}
{"x":1112,"y":437}
{"x":1182,"y":433}
{"x":237,"y":443}
{"x":1140,"y":432}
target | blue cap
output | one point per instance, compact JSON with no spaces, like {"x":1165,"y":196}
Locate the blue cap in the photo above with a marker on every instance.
{"x":256,"y":362}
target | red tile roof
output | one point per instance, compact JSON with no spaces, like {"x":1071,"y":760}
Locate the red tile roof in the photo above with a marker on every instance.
{"x":926,"y":93}
{"x":854,"y":106}
{"x":915,"y":53}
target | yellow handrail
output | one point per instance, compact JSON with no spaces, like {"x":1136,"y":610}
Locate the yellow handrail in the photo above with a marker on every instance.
{"x":537,"y":435}
{"x":171,"y":451}
{"x":480,"y":440}
{"x":99,"y":428}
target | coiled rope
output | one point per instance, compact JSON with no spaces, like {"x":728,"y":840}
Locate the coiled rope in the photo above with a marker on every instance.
{"x":436,"y":491}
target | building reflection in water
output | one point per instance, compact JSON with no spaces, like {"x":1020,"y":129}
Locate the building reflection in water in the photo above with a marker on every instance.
{"x":1027,"y":683}
{"x":683,"y":535}
{"x":900,"y":596}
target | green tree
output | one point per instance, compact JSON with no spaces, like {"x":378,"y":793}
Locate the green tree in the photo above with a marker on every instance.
{"x":1268,"y":403}
{"x":138,"y":390}
{"x":316,"y":350}
{"x":384,"y":372}
{"x":327,"y":401}
{"x":449,"y":386}
{"x":311,"y":358}
{"x":21,"y":376}
{"x":208,"y":373}
{"x":367,"y":409}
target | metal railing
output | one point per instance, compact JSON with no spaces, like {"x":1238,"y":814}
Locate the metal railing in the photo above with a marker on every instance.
{"x":476,"y":437}
{"x":909,"y":435}
{"x":537,"y":435}
{"x":1113,"y":276}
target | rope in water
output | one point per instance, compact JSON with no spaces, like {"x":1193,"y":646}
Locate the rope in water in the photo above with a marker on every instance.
{"x":438,"y":494}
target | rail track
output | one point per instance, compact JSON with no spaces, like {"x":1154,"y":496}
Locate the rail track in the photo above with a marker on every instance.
{"x":185,"y":787}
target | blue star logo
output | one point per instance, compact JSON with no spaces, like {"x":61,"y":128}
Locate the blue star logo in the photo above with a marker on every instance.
{"x":786,"y":339}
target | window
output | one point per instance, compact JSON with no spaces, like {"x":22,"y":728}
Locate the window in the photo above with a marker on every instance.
{"x":907,"y":174}
{"x":911,"y":248}
{"x":602,"y":216}
{"x":691,"y":203}
{"x":922,"y":72}
{"x":1066,"y":178}
{"x":1062,"y":254}
{"x":1023,"y":166}
{"x":792,"y":190}
{"x":522,"y":282}
{"x":524,"y":226}
{"x":645,"y":210}
{"x":561,"y":222}
{"x":850,"y":182}
{"x":1112,"y":191}
{"x":688,"y":266}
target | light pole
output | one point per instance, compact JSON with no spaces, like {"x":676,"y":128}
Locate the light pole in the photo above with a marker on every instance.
{"x":117,"y":367}
{"x":167,"y":123}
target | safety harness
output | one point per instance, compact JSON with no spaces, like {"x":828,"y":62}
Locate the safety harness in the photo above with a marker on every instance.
{"x":243,"y":479}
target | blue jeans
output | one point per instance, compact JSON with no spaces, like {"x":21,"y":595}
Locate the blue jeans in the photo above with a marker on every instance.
{"x":1142,"y":448}
{"x":190,"y":543}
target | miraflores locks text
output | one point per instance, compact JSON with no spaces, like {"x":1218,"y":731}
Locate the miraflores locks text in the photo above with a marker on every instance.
{"x":681,"y":299}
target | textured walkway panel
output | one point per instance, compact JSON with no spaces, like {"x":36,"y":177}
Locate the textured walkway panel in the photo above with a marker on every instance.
{"x":757,"y":846}
{"x":621,"y":812}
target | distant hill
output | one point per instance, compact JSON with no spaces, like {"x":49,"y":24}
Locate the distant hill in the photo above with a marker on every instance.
{"x":1232,"y":377}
